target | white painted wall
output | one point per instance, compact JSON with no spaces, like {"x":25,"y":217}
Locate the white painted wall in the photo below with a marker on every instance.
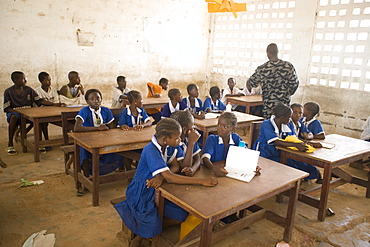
{"x":142,"y":40}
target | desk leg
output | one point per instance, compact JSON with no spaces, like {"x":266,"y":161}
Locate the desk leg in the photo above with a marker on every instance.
{"x":368,"y":185}
{"x":289,"y":220}
{"x":324,"y":192}
{"x":23,"y":134}
{"x":36,"y":131}
{"x":76,"y":166}
{"x":95,"y":177}
{"x":206,"y":234}
{"x":247,"y":109}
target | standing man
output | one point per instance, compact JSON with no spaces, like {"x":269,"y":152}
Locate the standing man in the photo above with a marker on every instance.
{"x":278,"y":79}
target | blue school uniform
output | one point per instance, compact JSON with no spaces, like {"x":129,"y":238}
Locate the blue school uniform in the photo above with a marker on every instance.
{"x":180,"y":150}
{"x":126,"y":118}
{"x":300,"y":128}
{"x":269,"y":133}
{"x":139,"y":212}
{"x":168,"y":109}
{"x":214,"y":147}
{"x":197,"y":106}
{"x":314,"y":125}
{"x":92,"y":118}
{"x":219,"y":106}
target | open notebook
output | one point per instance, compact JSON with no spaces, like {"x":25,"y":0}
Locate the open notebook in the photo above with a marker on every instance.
{"x":241,"y":163}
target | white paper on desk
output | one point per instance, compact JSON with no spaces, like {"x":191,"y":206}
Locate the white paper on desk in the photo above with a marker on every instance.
{"x":327,"y":145}
{"x":211,"y":115}
{"x":241,"y":163}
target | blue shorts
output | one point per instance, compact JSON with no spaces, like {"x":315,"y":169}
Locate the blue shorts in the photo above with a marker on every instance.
{"x":9,"y":114}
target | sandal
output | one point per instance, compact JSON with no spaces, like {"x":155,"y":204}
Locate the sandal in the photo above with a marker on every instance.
{"x":82,"y":192}
{"x":42,"y":150}
{"x":11,"y":151}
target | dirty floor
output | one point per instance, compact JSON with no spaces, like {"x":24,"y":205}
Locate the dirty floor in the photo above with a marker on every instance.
{"x":54,"y":206}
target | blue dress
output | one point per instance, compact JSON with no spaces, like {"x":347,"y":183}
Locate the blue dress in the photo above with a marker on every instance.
{"x":126,"y":118}
{"x":197,"y":106}
{"x":269,"y":133}
{"x":168,"y":109}
{"x":219,"y":106}
{"x":214,"y":147}
{"x":107,"y":162}
{"x":300,"y":128}
{"x":313,"y":125}
{"x":139,"y":212}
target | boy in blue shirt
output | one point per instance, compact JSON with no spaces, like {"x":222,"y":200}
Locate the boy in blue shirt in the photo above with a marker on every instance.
{"x":175,"y":103}
{"x":310,"y":111}
{"x":214,"y":104}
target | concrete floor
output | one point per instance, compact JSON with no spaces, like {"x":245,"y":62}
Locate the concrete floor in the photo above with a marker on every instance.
{"x":54,"y":207}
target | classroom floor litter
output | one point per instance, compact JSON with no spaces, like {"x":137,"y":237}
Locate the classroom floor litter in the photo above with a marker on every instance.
{"x":54,"y":206}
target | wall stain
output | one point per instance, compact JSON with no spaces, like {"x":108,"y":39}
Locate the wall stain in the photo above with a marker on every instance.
{"x":41,"y":14}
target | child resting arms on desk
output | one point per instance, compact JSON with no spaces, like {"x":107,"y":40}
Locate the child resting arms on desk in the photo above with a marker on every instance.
{"x":138,"y":211}
{"x":96,"y":118}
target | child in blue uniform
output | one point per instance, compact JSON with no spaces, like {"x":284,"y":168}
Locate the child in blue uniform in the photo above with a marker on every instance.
{"x":175,"y":103}
{"x":193,"y":103}
{"x":188,"y":145}
{"x":217,"y":146}
{"x":96,"y":118}
{"x":300,"y":129}
{"x":279,"y":127}
{"x":213,"y":103}
{"x":310,"y":111}
{"x":139,"y":212}
{"x":134,"y":117}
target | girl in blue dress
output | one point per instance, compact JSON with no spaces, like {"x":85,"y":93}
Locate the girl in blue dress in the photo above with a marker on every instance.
{"x":272,"y":131}
{"x":193,"y":103}
{"x":217,"y":146}
{"x":310,"y":111}
{"x":213,"y":103}
{"x":138,"y":211}
{"x":188,"y":145}
{"x":96,"y":118}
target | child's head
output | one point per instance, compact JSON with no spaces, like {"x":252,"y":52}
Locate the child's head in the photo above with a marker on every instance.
{"x":282,"y":113}
{"x":175,"y":94}
{"x":226,"y":124}
{"x":193,"y":90}
{"x":297,"y":112}
{"x":185,"y":119}
{"x":311,"y":109}
{"x":74,"y":77}
{"x":231,"y":82}
{"x":45,"y":79}
{"x":169,"y":130}
{"x":121,"y":81}
{"x":93,"y":98}
{"x":215,"y":92}
{"x":164,"y":83}
{"x":135,"y":98}
{"x":19,"y":78}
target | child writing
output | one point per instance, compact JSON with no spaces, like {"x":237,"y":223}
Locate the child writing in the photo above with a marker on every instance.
{"x":156,"y":92}
{"x":175,"y":103}
{"x":310,"y":111}
{"x":217,"y":146}
{"x":71,"y":94}
{"x":19,"y":96}
{"x":189,"y":145}
{"x":193,"y":103}
{"x":214,"y":104}
{"x":231,"y":91}
{"x":139,"y":212}
{"x":134,"y":117}
{"x":96,"y":118}
{"x":272,"y":131}
{"x":119,"y":93}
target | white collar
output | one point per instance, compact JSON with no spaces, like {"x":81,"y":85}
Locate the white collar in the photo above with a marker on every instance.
{"x":284,"y":127}
{"x":173,"y":109}
{"x":95,"y":111}
{"x":231,"y":142}
{"x":308,"y":122}
{"x":156,"y":144}
{"x":129,"y":111}
{"x":138,"y":119}
{"x":195,"y":105}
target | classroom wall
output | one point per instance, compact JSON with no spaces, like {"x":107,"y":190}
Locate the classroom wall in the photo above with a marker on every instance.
{"x":142,"y":40}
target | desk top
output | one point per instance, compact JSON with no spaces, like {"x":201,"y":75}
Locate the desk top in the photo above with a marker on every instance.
{"x":148,"y":101}
{"x":113,"y":137}
{"x":345,"y":148}
{"x":230,"y":193}
{"x":46,"y":111}
{"x":242,"y":118}
{"x":248,"y":98}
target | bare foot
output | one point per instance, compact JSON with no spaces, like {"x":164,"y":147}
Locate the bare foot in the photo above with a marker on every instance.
{"x":136,"y":242}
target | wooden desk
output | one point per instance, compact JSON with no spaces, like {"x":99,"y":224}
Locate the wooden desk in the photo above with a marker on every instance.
{"x":346,"y":150}
{"x":247,"y":101}
{"x":103,"y":142}
{"x":211,"y":204}
{"x":207,"y":125}
{"x":152,"y":102}
{"x":38,"y":115}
